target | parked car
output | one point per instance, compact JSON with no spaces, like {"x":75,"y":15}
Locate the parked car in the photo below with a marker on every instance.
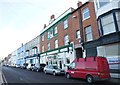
{"x":38,"y":67}
{"x":30,"y":66}
{"x":17,"y":65}
{"x":53,"y":69}
{"x":24,"y":66}
{"x":90,"y":68}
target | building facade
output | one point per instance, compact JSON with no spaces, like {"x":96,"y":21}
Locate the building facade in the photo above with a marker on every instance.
{"x":32,"y":51}
{"x":55,"y":40}
{"x":108,"y":45}
{"x":65,"y":38}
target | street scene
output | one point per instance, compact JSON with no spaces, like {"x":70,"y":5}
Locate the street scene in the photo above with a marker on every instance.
{"x":77,"y":45}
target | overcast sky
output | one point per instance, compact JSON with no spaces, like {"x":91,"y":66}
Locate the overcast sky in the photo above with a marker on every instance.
{"x":22,"y":20}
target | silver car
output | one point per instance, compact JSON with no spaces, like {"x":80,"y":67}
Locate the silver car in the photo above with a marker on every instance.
{"x":53,"y":69}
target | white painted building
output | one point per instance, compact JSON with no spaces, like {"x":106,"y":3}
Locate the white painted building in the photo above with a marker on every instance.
{"x":32,"y":50}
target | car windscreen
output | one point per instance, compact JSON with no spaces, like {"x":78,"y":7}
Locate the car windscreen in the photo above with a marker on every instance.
{"x":55,"y":67}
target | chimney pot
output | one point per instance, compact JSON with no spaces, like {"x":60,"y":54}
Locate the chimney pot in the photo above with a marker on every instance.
{"x":79,"y":3}
{"x":52,"y":16}
{"x":44,"y":25}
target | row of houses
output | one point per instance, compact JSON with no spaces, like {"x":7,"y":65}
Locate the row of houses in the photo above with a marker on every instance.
{"x":93,"y":29}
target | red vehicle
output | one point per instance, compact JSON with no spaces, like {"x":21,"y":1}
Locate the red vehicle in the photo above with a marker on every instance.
{"x":90,"y":68}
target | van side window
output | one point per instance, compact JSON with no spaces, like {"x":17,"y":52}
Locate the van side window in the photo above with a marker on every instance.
{"x":72,"y":65}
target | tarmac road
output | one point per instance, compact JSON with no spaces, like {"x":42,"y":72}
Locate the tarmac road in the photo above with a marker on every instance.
{"x":23,"y":76}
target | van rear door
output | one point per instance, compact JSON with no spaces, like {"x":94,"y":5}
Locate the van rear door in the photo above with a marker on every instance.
{"x":103,"y":67}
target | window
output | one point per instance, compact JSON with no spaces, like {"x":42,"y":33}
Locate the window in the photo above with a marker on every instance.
{"x":65,"y":24}
{"x":66,"y":40}
{"x":42,"y":37}
{"x":88,"y":31}
{"x":50,"y":34}
{"x":101,"y":3}
{"x":42,"y":48}
{"x":118,"y":19}
{"x":77,"y":34}
{"x":86,"y":13}
{"x":56,"y":43}
{"x":48,"y":46}
{"x":108,"y":24}
{"x":55,"y":30}
{"x":72,"y":65}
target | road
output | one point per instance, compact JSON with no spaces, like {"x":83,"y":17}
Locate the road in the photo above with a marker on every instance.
{"x":17,"y":75}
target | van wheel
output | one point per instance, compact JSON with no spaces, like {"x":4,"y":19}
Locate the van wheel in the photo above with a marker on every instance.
{"x":68,"y":76}
{"x":89,"y":79}
{"x":54,"y":73}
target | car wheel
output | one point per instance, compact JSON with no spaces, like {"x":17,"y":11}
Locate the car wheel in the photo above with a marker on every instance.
{"x":37,"y":70}
{"x":54,"y":73}
{"x":45,"y":72}
{"x":68,"y":76}
{"x":89,"y":79}
{"x":32,"y":69}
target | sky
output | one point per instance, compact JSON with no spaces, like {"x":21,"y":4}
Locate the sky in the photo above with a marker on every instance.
{"x":22,"y":20}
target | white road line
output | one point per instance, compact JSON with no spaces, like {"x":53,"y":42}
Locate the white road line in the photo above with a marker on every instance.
{"x":4,"y":79}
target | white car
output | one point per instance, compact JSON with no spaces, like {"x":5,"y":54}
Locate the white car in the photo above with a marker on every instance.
{"x":53,"y":69}
{"x":30,"y":66}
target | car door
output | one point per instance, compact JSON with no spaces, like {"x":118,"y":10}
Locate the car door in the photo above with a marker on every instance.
{"x":51,"y":69}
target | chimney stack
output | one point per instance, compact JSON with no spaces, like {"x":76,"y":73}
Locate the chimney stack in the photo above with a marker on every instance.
{"x":52,"y":18}
{"x":44,"y":26}
{"x":79,"y":3}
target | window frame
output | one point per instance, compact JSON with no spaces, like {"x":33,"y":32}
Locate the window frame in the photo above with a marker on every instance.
{"x":56,"y":30}
{"x":56,"y":43}
{"x":88,"y":33}
{"x":66,"y":38}
{"x":43,"y":49}
{"x":78,"y":35}
{"x":104,"y":24}
{"x":42,"y":37}
{"x":84,"y":12}
{"x":48,"y":45}
{"x":65,"y":24}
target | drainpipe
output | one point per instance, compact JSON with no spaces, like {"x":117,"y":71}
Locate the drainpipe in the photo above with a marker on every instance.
{"x":81,"y":29}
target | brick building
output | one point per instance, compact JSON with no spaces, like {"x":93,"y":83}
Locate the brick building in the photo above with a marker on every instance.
{"x":61,"y":41}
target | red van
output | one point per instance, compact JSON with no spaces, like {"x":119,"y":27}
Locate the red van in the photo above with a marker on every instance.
{"x":90,"y":68}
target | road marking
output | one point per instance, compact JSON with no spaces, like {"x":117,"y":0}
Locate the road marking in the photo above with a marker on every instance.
{"x":4,"y":79}
{"x":21,"y":79}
